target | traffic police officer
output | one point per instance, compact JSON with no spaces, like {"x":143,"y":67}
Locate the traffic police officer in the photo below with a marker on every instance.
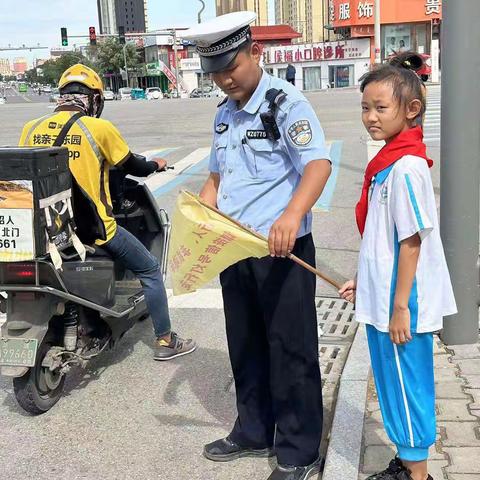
{"x":268,"y":166}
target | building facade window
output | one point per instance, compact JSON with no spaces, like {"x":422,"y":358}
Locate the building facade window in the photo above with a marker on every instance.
{"x":341,"y":75}
{"x":398,"y":38}
{"x":312,"y":78}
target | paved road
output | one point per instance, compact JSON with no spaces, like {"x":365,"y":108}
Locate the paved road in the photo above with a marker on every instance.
{"x":127,"y":417}
{"x":12,"y":96}
{"x":433,"y":116}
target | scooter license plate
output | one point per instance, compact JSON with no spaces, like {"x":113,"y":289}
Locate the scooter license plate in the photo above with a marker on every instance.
{"x":18,"y":352}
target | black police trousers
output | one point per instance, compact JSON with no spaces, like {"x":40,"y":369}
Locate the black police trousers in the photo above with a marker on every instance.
{"x":272,"y":338}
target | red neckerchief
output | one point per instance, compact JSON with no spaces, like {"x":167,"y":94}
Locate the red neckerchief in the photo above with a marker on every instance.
{"x":409,"y":142}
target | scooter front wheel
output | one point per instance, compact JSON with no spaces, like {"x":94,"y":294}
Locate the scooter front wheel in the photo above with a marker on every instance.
{"x":39,"y":389}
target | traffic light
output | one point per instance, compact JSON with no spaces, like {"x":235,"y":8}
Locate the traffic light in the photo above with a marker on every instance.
{"x":93,"y":36}
{"x":121,"y":35}
{"x":63,"y":32}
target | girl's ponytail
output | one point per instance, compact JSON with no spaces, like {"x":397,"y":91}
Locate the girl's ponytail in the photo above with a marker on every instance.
{"x":408,"y":60}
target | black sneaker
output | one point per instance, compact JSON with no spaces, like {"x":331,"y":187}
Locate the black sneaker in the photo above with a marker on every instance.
{"x":224,"y":450}
{"x":391,"y":472}
{"x":291,"y":472}
{"x":176,"y":348}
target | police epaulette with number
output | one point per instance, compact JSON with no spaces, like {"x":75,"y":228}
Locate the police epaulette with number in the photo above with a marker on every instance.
{"x":224,"y":100}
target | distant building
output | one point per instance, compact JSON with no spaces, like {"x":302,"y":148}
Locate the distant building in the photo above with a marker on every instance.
{"x":411,"y":27}
{"x":131,"y":14}
{"x":5,"y":68}
{"x":305,"y":16}
{"x":20,"y":65}
{"x":260,"y":7}
{"x":271,"y":35}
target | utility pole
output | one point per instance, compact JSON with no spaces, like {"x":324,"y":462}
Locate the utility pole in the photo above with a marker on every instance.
{"x":175,"y":50}
{"x":378,"y":42}
{"x":460,"y":170}
{"x":200,"y":21}
{"x":125,"y":62}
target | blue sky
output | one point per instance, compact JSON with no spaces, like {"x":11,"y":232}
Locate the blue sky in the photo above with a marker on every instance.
{"x":33,"y":22}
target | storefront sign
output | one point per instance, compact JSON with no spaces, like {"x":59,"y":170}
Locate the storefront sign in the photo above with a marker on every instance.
{"x":362,"y":31}
{"x":331,"y":10}
{"x":349,"y":49}
{"x":433,"y":6}
{"x":347,"y":13}
{"x":344,"y":13}
{"x":365,"y":9}
{"x":168,"y":73}
{"x":153,"y":69}
{"x":190,"y":64}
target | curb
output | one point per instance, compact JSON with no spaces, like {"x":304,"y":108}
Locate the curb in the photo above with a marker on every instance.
{"x":345,"y":445}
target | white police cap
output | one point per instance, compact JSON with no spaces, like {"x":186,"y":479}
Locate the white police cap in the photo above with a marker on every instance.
{"x":218,"y":40}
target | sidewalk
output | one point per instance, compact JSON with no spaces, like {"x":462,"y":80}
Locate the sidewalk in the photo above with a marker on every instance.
{"x":456,"y":454}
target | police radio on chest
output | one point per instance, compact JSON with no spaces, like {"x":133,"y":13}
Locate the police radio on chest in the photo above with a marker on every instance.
{"x":275,"y":98}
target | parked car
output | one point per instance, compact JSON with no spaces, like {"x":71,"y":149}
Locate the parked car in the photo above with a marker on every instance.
{"x":138,"y":94}
{"x":154,"y":93}
{"x":216,"y":92}
{"x":208,"y":91}
{"x":108,"y":95}
{"x":54,"y":95}
{"x":124,"y":93}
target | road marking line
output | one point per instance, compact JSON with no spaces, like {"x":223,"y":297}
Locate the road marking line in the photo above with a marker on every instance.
{"x":163,"y":182}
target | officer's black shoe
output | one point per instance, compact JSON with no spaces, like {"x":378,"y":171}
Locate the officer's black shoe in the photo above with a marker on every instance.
{"x":224,"y":450}
{"x":290,"y":472}
{"x":391,"y":472}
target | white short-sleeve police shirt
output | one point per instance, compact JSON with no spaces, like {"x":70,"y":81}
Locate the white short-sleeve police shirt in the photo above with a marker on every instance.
{"x":259,"y":176}
{"x":402,"y":203}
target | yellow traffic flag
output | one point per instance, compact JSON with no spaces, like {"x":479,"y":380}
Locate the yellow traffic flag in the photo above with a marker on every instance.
{"x":205,"y":242}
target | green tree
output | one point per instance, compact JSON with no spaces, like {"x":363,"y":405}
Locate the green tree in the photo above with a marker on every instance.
{"x":109,"y":57}
{"x":53,"y":69}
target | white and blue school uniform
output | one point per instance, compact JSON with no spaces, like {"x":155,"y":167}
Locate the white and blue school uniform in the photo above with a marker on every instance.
{"x":402,"y":203}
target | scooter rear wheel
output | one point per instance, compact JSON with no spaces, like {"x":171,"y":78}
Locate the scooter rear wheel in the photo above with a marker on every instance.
{"x":39,"y":389}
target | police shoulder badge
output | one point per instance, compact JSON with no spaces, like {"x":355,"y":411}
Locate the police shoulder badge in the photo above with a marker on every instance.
{"x":221,"y":127}
{"x":300,"y":133}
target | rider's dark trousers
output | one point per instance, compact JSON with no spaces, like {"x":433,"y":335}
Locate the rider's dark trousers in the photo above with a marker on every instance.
{"x":135,"y":257}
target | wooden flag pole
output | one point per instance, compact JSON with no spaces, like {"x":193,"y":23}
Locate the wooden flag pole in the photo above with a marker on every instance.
{"x":291,"y":256}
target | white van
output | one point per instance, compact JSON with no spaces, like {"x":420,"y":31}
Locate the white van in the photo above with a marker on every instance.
{"x":124,"y":93}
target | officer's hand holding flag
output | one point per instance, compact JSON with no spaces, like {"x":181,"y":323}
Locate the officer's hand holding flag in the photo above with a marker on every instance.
{"x":205,"y":242}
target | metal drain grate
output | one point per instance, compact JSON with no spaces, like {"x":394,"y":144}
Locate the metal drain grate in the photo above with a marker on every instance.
{"x":336,"y":331}
{"x":335,"y":319}
{"x":332,"y":359}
